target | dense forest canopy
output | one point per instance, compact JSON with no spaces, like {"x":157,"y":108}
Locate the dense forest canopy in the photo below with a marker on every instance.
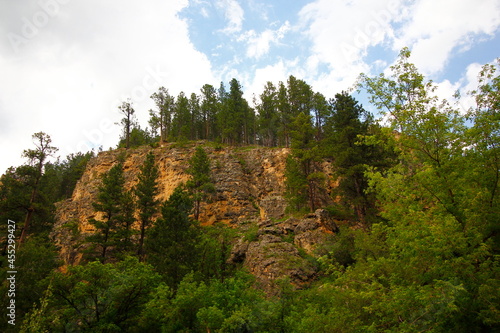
{"x":418,"y":251}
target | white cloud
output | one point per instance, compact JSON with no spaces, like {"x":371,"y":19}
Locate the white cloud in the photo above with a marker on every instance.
{"x":234,"y":15}
{"x":468,"y":83}
{"x":259,"y":45}
{"x":279,"y":71}
{"x":437,"y":28}
{"x":69,"y":79}
{"x":342,"y":31}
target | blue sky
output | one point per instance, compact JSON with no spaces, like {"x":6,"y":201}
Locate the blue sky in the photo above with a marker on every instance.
{"x":67,"y":64}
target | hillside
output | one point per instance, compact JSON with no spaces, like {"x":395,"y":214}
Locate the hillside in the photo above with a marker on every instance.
{"x":356,"y":226}
{"x":249,"y":197}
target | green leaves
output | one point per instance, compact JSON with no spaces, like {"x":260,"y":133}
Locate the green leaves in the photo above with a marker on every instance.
{"x":99,"y":297}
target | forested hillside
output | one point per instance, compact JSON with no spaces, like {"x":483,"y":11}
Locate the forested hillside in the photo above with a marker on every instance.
{"x":302,"y":214}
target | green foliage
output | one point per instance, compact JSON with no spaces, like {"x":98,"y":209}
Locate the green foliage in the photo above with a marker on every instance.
{"x":268,"y":119}
{"x":137,"y":137}
{"x":208,"y":110}
{"x":162,"y":118}
{"x":116,"y":207}
{"x":146,"y":191}
{"x":425,"y":267}
{"x":181,"y":122}
{"x":303,"y":178}
{"x":296,"y":185}
{"x":128,"y":121}
{"x":214,"y":248}
{"x":348,"y":122}
{"x":252,"y":234}
{"x":171,"y":243}
{"x":96,"y":297}
{"x":229,"y":306}
{"x":200,"y":185}
{"x":35,"y":260}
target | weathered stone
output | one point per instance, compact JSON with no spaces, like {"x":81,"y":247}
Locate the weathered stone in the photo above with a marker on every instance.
{"x":310,"y":240}
{"x":272,"y":207}
{"x":307,"y":224}
{"x":289,"y":225}
{"x":270,"y":230}
{"x":326,"y":220}
{"x":270,"y":259}
{"x":249,"y":184}
{"x":238,"y":252}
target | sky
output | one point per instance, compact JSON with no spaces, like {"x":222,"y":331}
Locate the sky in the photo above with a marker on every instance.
{"x":66,"y":65}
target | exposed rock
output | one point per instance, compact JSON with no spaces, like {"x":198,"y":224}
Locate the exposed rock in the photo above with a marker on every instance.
{"x":311,"y":240}
{"x":250,"y":186}
{"x":289,"y":225}
{"x":238,"y":252}
{"x":271,"y":258}
{"x":307,"y":224}
{"x":326,"y":220}
{"x":319,"y":219}
{"x":272,"y":207}
{"x":314,"y":230}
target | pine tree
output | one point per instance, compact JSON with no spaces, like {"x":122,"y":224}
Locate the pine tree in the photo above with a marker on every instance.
{"x":285,"y":116}
{"x":303,"y":176}
{"x":110,"y":202}
{"x":351,"y":158}
{"x":200,"y":185}
{"x":208,"y":111}
{"x":268,"y":119}
{"x":128,"y":121}
{"x":181,"y":123}
{"x":37,"y":158}
{"x":146,"y":191}
{"x":194,"y":111}
{"x":162,"y":118}
{"x":171,"y":244}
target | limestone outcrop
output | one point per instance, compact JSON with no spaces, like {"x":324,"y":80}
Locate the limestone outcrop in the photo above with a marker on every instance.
{"x":250,"y":186}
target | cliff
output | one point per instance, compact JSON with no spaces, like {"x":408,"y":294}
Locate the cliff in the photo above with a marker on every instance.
{"x":250,"y":186}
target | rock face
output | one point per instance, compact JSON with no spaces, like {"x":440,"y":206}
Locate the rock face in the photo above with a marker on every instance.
{"x":281,"y":249}
{"x":250,"y":186}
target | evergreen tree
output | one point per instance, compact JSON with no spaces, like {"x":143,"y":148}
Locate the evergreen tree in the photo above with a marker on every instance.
{"x":320,"y":110}
{"x":181,"y":123}
{"x":194,"y":111}
{"x":123,"y":239}
{"x":268,"y":116}
{"x":303,"y":178}
{"x":162,"y":118}
{"x":71,"y":171}
{"x":171,"y":244}
{"x":285,"y":116}
{"x":300,"y":96}
{"x":110,"y":202}
{"x":138,"y":137}
{"x":37,"y":159}
{"x":200,"y":184}
{"x":348,"y":122}
{"x":208,"y":111}
{"x":146,"y":191}
{"x":236,"y":119}
{"x":128,"y":121}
